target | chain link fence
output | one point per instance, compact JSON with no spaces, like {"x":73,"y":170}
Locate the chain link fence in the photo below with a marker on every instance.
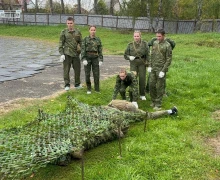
{"x":118,"y":22}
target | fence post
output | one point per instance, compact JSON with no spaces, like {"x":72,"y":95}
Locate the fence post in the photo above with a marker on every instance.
{"x":213,"y":25}
{"x":195,"y":25}
{"x":177,"y":26}
{"x":35,"y":18}
{"x":23,"y":17}
{"x":133,"y":23}
{"x":48,"y":23}
{"x":116,"y":23}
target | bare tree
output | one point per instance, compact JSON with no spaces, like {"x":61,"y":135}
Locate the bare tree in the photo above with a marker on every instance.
{"x":199,"y":9}
{"x":150,"y":20}
{"x":79,"y":7}
{"x":3,"y":4}
{"x":199,"y":4}
{"x":36,"y":6}
{"x":159,"y":13}
{"x":25,"y":6}
{"x":176,"y":9}
{"x":51,"y":6}
{"x":62,"y":7}
{"x":111,"y":10}
{"x":96,"y":6}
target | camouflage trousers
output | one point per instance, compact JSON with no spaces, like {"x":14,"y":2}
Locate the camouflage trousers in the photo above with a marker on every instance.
{"x":139,"y":66}
{"x":157,"y":86}
{"x":124,"y":105}
{"x":93,"y":65}
{"x":157,"y":114}
{"x":122,"y":92}
{"x":76,"y":65}
{"x":148,"y":85}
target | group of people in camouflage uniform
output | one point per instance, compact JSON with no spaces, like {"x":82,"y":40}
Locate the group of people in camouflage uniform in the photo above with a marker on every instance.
{"x":71,"y":45}
{"x":142,"y":59}
{"x":156,"y":62}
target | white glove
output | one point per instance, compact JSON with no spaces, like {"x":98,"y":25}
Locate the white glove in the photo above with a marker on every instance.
{"x":85,"y":62}
{"x":100,"y":63}
{"x":135,"y":104}
{"x":161,"y":74}
{"x":149,"y":69}
{"x":62,"y":58}
{"x":131,"y":58}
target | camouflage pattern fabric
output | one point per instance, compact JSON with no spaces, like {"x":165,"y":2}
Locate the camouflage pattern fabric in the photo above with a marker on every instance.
{"x":150,"y":43}
{"x":56,"y":138}
{"x":172,"y":42}
{"x":93,"y":65}
{"x":91,"y":48}
{"x":141,"y":53}
{"x":73,"y":62}
{"x":52,"y":138}
{"x":161,"y":57}
{"x":139,"y":50}
{"x":92,"y":52}
{"x":121,"y":86}
{"x":70,"y":46}
{"x":123,"y":105}
{"x":70,"y":42}
{"x":157,"y":114}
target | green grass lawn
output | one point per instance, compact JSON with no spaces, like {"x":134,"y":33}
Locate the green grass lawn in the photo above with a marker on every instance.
{"x":172,"y":147}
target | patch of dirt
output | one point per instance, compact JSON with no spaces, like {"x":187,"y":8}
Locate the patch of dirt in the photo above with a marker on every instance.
{"x":215,"y":142}
{"x":209,"y":43}
{"x":20,"y":103}
{"x":216,"y":115}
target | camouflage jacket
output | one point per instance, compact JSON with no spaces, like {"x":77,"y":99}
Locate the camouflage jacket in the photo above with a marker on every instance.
{"x":161,"y":56}
{"x":131,"y":81}
{"x":70,"y":42}
{"x":139,"y":50}
{"x":172,"y":43}
{"x":91,"y":45}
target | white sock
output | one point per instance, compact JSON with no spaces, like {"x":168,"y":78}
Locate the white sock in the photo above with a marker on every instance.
{"x":169,"y":111}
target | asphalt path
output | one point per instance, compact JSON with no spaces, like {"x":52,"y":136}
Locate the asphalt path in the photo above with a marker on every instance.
{"x":31,"y":69}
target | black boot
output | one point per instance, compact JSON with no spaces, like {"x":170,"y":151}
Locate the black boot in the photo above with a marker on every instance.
{"x":174,"y":110}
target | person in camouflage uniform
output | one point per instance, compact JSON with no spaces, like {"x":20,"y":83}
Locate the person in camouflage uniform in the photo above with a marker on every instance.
{"x":127,"y":106}
{"x":69,"y":48}
{"x":137,"y":52}
{"x":92,"y":58}
{"x":161,"y":57}
{"x":123,"y":80}
{"x":150,"y":44}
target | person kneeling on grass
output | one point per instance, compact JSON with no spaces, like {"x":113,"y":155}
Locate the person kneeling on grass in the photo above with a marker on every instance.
{"x":123,"y":80}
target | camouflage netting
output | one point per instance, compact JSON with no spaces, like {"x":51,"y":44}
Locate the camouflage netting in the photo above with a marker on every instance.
{"x":51,"y":137}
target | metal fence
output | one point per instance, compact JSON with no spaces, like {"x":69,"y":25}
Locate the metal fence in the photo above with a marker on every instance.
{"x":118,"y":22}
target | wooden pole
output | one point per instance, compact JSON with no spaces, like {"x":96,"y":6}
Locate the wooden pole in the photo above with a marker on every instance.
{"x":82,"y":166}
{"x":119,"y":139}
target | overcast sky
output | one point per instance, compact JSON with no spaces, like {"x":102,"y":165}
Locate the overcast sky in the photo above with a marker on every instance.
{"x":86,"y":4}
